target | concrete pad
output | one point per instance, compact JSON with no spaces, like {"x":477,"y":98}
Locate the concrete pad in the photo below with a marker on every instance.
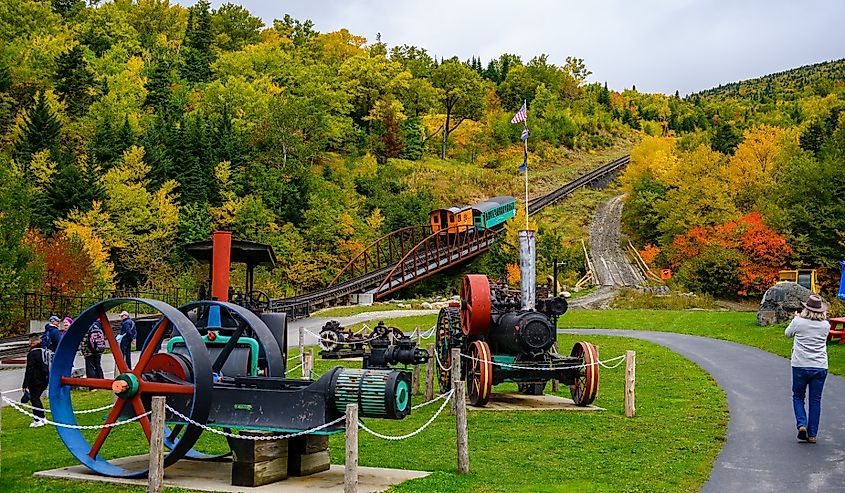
{"x":521,"y":402}
{"x":217,"y":476}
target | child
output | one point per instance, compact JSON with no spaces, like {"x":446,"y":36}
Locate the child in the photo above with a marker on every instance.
{"x":36,"y":377}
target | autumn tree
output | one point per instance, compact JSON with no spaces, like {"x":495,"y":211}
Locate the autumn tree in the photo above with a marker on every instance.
{"x":461,"y":96}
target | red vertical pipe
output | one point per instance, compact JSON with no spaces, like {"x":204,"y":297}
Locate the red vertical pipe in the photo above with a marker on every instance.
{"x":221,"y":242}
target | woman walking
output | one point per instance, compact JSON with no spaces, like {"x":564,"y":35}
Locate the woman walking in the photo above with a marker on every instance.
{"x":809,"y":364}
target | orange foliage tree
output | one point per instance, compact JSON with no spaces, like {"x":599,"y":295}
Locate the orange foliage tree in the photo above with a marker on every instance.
{"x":763,"y":252}
{"x":66,"y":266}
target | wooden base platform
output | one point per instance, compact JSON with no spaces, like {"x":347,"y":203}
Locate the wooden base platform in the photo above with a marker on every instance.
{"x":216,"y":476}
{"x":521,"y":402}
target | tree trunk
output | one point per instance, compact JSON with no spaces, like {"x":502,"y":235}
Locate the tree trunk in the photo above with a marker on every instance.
{"x":445,"y":134}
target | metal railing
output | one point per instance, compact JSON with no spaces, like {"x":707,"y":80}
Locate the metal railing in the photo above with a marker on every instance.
{"x":40,"y":306}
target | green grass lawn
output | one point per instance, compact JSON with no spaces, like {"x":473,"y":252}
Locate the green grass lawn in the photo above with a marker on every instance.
{"x":669,"y":446}
{"x":738,"y":327}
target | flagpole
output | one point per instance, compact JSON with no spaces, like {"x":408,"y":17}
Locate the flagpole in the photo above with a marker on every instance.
{"x":525,"y":153}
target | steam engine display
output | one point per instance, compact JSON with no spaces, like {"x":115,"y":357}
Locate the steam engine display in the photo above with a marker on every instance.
{"x":508,"y":337}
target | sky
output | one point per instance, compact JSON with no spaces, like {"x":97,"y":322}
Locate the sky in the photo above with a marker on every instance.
{"x":655,"y":45}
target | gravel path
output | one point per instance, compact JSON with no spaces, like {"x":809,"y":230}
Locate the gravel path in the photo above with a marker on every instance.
{"x":761,"y":453}
{"x":610,"y":263}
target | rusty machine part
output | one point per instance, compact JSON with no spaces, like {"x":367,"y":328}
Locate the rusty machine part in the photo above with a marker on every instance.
{"x":510,"y":344}
{"x":384,"y":347}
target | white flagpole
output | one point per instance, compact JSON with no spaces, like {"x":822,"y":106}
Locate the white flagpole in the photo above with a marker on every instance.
{"x":525,"y":150}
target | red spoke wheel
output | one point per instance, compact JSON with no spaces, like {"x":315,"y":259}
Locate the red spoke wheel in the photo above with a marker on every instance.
{"x":479,"y":373}
{"x":475,"y":305}
{"x":186,"y":383}
{"x":448,"y":326}
{"x":586,"y":385}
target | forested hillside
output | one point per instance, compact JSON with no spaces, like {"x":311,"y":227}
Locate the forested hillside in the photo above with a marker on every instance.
{"x":129,"y":128}
{"x":727,"y":209}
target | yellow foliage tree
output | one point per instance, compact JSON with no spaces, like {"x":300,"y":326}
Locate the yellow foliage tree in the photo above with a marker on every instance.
{"x":654,"y":157}
{"x":96,"y":233}
{"x":752,"y":172}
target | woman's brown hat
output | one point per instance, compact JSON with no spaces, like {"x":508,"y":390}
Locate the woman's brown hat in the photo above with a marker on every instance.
{"x":815,"y":303}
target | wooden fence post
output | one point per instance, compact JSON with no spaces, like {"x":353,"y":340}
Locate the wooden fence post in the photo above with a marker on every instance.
{"x":350,"y":473}
{"x":456,"y":375}
{"x":630,"y":384}
{"x":156,"y":475}
{"x":308,"y":364}
{"x":429,"y":373}
{"x":302,"y":350}
{"x":461,"y":427}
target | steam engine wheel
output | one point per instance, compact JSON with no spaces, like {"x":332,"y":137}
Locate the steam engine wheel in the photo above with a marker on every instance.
{"x":479,"y":373}
{"x":586,"y":385}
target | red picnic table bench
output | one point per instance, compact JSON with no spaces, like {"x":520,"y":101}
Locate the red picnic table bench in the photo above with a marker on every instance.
{"x":836,"y":333}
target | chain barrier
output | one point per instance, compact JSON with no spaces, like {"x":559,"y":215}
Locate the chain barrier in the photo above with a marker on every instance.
{"x":437,"y":358}
{"x":294,"y":368}
{"x":252,"y":437}
{"x":431,"y":401}
{"x":553,"y":368}
{"x":413,"y":433}
{"x":74,"y":427}
{"x":85,"y":411}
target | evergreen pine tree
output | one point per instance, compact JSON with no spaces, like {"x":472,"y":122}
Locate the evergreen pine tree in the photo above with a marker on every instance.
{"x":726,"y":139}
{"x":812,"y":138}
{"x":41,"y":130}
{"x":158,"y":87}
{"x":604,"y":96}
{"x":160,"y":141}
{"x":196,"y":177}
{"x":227,"y":143}
{"x":74,"y":81}
{"x":412,"y":131}
{"x":199,"y":38}
{"x":106,"y":147}
{"x":5,"y":77}
{"x":126,"y":137}
{"x":492,"y":73}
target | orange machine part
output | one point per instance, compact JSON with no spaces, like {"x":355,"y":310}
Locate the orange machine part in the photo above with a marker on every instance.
{"x":221,"y":255}
{"x":475,"y":305}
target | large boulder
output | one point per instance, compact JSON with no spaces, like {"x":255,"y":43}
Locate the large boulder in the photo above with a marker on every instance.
{"x":780,"y":302}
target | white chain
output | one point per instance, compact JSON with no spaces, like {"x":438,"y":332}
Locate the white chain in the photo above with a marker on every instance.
{"x":85,"y":411}
{"x":294,"y":368}
{"x":413,"y":433}
{"x":431,"y":401}
{"x":75,"y":427}
{"x":610,"y":367}
{"x":437,"y":358}
{"x":253,"y":437}
{"x":554,"y":368}
{"x":362,"y":329}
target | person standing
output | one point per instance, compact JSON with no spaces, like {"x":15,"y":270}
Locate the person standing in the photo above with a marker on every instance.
{"x":51,"y":337}
{"x":809,"y":364}
{"x":127,"y":335}
{"x":92,"y":348}
{"x":66,"y":323}
{"x":36,"y":377}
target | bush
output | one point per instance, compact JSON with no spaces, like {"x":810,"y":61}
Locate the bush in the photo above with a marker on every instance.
{"x":632,"y":299}
{"x":715,"y":271}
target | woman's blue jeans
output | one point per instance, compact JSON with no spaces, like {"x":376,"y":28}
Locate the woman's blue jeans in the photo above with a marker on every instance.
{"x":814,"y":379}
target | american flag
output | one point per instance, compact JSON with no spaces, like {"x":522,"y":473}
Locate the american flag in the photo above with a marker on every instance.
{"x":521,"y":115}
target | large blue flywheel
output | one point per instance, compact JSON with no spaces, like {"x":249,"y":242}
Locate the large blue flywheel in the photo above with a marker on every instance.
{"x":186,"y":381}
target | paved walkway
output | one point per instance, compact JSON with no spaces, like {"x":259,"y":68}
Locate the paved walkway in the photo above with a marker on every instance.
{"x":761,"y":453}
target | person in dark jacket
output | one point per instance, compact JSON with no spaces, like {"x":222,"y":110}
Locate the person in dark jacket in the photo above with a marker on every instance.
{"x":52,"y":336}
{"x":92,"y":347}
{"x":35,"y":378}
{"x":127,"y":333}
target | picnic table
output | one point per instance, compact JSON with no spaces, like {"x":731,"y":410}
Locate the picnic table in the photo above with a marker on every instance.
{"x":837,"y":330}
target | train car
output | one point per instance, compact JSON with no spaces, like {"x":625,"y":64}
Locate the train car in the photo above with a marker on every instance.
{"x":493,"y":212}
{"x":458,"y":218}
